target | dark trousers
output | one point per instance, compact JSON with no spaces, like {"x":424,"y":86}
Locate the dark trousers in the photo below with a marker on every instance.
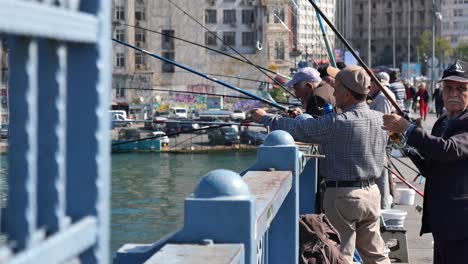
{"x":451,"y":251}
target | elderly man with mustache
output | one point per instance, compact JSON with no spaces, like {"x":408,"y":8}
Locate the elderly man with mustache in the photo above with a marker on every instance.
{"x":444,"y":163}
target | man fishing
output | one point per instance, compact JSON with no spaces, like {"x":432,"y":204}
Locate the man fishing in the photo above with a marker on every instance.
{"x":354,"y":145}
{"x":445,"y":166}
{"x":311,"y":90}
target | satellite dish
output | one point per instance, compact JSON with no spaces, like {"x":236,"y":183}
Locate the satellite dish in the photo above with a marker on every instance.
{"x":142,"y":99}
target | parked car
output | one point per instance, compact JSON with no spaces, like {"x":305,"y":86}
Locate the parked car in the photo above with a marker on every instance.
{"x":252,"y":137}
{"x":4,"y":131}
{"x":162,"y":136}
{"x":223,"y":136}
{"x":238,"y":115}
{"x":120,"y":121}
{"x":178,"y":112}
{"x":129,"y":134}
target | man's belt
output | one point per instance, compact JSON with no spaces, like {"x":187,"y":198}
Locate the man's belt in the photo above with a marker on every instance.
{"x":360,"y":183}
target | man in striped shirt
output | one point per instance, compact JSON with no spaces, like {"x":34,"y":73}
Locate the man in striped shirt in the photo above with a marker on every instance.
{"x":397,"y":87}
{"x":354,"y":146}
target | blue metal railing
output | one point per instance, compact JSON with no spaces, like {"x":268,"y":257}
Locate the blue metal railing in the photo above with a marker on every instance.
{"x":248,"y":219}
{"x":58,"y":153}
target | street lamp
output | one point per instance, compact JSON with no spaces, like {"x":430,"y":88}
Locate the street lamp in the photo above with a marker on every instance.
{"x":435,"y":15}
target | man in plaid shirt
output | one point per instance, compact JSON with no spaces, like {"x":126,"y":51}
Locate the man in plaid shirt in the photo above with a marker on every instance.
{"x":354,"y":145}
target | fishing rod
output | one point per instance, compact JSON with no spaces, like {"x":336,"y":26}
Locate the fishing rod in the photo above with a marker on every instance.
{"x":223,"y":83}
{"x":205,"y":47}
{"x":200,"y":93}
{"x":325,"y":39}
{"x":230,"y":76}
{"x":168,"y":135}
{"x":213,"y":126}
{"x":404,"y":180}
{"x":233,"y":49}
{"x":366,"y":68}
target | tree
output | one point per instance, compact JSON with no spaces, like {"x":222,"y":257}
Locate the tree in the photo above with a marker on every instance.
{"x":278,"y":94}
{"x":461,"y":52}
{"x":442,"y":46}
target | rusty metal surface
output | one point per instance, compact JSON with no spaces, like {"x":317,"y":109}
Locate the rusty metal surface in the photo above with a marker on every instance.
{"x":198,"y":254}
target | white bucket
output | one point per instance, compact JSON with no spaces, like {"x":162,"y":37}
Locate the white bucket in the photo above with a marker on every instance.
{"x":404,"y":196}
{"x":394,"y":217}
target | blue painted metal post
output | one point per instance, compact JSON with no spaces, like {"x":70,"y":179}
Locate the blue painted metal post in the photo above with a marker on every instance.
{"x":308,"y":187}
{"x":22,"y":148}
{"x":88,"y":150}
{"x":279,"y":152}
{"x":51,"y":134}
{"x":223,"y":210}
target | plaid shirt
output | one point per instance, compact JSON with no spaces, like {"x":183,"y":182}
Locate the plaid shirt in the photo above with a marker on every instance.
{"x":353,"y":141}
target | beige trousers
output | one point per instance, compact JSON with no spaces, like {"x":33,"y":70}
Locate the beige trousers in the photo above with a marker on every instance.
{"x":355,"y":213}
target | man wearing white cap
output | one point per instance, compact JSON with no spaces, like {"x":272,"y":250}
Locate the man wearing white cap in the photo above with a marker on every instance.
{"x":307,"y":82}
{"x":354,"y":145}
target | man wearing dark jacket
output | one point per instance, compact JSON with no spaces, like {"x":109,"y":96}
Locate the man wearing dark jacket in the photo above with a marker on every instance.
{"x":445,"y":165}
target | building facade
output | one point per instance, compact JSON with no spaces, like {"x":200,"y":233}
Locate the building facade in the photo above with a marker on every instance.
{"x":239,"y":23}
{"x":455,"y":21}
{"x":388,"y":25}
{"x":309,"y":40}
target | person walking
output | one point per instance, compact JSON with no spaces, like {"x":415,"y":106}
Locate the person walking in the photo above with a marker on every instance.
{"x":398,"y":89}
{"x":423,"y":95}
{"x":439,"y":101}
{"x":354,"y":145}
{"x":444,"y":163}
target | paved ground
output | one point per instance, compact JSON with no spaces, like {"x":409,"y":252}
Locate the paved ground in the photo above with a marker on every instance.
{"x":420,"y":248}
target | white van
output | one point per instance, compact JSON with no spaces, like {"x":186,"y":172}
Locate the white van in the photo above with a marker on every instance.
{"x":119,"y":112}
{"x":178,"y":112}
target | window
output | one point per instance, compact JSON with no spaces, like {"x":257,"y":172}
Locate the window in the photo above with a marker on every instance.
{"x":119,"y":13}
{"x":248,"y":16}
{"x":389,"y":18}
{"x":210,"y":40}
{"x":374,"y":5}
{"x":120,"y":34}
{"x":120,"y":60}
{"x":166,"y":67}
{"x":210,"y":16}
{"x":279,"y":50}
{"x":389,"y":4}
{"x":139,"y":35}
{"x":140,"y":61}
{"x":119,"y":92}
{"x":422,"y":17}
{"x":457,"y":12}
{"x":267,"y":14}
{"x":229,"y":16}
{"x":229,"y":38}
{"x":279,"y":15}
{"x":248,"y":38}
{"x":167,"y":43}
{"x":140,"y":10}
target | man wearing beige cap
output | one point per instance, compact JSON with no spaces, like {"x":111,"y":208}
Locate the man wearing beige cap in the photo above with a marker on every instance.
{"x":354,"y":145}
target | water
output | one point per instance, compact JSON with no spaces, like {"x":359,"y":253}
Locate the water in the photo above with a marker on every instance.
{"x":148,"y":190}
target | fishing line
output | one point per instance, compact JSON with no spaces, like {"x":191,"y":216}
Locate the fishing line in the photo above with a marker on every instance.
{"x":202,"y":46}
{"x":233,"y":49}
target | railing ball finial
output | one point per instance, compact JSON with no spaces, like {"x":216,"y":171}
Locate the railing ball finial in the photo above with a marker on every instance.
{"x":279,"y":138}
{"x":219,"y":183}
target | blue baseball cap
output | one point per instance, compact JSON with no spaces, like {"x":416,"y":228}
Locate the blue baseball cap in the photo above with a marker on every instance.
{"x":307,"y":74}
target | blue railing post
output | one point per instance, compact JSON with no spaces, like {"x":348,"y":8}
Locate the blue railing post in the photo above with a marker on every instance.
{"x":308,"y":187}
{"x":223,"y":210}
{"x":279,"y":152}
